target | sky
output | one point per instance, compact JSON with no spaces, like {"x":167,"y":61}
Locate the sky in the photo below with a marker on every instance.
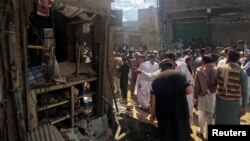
{"x":130,"y":7}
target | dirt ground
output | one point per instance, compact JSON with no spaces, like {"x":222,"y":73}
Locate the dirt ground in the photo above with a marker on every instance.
{"x":137,"y":113}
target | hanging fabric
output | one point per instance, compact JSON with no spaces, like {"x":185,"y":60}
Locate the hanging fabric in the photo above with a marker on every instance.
{"x":43,"y":7}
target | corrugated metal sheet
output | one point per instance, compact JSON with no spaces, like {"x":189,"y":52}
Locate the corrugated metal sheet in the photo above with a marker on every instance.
{"x":183,"y":5}
{"x":44,"y":132}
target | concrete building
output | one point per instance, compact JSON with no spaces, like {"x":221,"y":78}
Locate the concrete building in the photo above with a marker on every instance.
{"x":143,"y":31}
{"x":225,"y":21}
{"x":128,"y":34}
{"x":149,"y":27}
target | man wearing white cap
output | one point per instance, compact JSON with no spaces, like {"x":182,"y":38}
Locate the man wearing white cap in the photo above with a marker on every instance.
{"x":143,"y":85}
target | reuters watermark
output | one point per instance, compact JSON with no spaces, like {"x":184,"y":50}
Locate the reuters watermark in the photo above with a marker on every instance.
{"x":241,"y":132}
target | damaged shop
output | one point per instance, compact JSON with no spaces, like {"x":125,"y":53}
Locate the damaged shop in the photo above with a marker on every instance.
{"x":55,"y":81}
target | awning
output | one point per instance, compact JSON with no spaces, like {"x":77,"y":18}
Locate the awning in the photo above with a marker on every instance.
{"x":82,"y":9}
{"x":96,"y":6}
{"x":72,"y":11}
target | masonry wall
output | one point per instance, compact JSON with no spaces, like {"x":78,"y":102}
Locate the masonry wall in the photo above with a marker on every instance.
{"x":230,"y":31}
{"x":223,"y":28}
{"x":149,"y":27}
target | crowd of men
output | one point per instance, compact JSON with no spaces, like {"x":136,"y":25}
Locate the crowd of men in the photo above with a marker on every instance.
{"x":170,"y":84}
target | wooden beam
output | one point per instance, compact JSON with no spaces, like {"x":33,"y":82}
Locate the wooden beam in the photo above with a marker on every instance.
{"x":52,"y":105}
{"x":72,"y":106}
{"x":60,"y":86}
{"x":59,"y":119}
{"x":78,"y":57}
{"x":32,"y":111}
{"x":37,"y":47}
{"x":81,"y":22}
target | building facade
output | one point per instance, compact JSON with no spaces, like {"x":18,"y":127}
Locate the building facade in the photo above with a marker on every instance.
{"x":223,"y":21}
{"x":145,"y":31}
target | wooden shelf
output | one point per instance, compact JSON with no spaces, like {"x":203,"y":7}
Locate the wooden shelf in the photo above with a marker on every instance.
{"x":62,"y":85}
{"x":52,"y":105}
{"x":59,"y":119}
{"x":87,"y":94}
{"x":68,"y":86}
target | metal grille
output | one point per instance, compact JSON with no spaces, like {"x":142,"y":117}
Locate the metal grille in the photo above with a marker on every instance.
{"x":183,"y":5}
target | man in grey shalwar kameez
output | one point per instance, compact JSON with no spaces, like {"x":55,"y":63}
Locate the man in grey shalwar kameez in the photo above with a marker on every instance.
{"x":231,"y":98}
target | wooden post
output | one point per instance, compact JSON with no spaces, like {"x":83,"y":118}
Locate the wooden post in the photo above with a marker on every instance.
{"x":15,"y":82}
{"x":77,"y":60}
{"x":25,"y":60}
{"x":108,"y":78}
{"x":72,"y":106}
{"x":1,"y":102}
{"x":78,"y":36}
{"x":32,"y":110}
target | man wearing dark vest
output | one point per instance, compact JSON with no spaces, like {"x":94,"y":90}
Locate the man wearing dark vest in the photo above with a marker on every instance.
{"x":204,"y":93}
{"x":231,"y":94}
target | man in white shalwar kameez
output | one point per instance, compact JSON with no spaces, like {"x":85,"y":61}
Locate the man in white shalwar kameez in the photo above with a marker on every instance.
{"x":182,"y":67}
{"x":143,"y":85}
